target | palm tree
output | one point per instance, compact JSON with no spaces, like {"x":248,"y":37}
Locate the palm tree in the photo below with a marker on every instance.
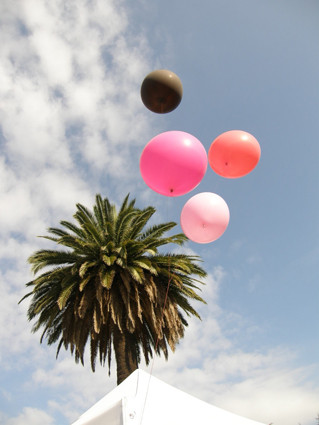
{"x":110,"y":286}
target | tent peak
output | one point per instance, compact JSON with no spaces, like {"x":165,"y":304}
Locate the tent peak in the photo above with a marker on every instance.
{"x":142,"y":399}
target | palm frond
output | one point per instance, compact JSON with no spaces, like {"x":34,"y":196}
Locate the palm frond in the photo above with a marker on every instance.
{"x":46,"y":257}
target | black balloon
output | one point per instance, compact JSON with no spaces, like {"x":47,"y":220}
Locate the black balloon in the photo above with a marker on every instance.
{"x":161,"y":91}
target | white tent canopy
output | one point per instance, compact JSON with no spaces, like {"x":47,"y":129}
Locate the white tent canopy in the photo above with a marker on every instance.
{"x":143,"y":399}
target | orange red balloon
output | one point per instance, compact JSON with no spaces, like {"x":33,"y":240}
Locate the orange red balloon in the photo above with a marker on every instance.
{"x":234,"y":154}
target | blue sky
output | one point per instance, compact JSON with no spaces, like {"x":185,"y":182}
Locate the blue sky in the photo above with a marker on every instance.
{"x":72,"y":124}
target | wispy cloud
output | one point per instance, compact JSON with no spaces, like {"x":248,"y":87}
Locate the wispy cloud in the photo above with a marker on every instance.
{"x":29,"y":415}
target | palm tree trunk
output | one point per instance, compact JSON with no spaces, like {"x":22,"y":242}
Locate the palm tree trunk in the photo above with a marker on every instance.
{"x":125,"y":354}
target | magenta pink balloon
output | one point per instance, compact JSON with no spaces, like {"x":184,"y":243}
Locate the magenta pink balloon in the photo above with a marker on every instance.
{"x":173,"y":163}
{"x":205,"y":217}
{"x":234,"y":154}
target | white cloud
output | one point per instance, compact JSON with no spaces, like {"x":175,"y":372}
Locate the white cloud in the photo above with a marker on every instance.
{"x":277,"y":395}
{"x":81,"y":387}
{"x":15,"y":330}
{"x":30,"y":416}
{"x":71,"y":114}
{"x":73,"y":71}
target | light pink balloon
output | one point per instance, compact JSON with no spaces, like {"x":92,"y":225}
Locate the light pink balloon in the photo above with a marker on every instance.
{"x":173,"y":163}
{"x":204,"y":217}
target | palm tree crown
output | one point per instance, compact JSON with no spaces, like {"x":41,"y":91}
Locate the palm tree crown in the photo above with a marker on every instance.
{"x":110,"y":285}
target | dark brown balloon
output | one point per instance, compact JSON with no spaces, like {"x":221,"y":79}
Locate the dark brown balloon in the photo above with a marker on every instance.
{"x":161,"y":91}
